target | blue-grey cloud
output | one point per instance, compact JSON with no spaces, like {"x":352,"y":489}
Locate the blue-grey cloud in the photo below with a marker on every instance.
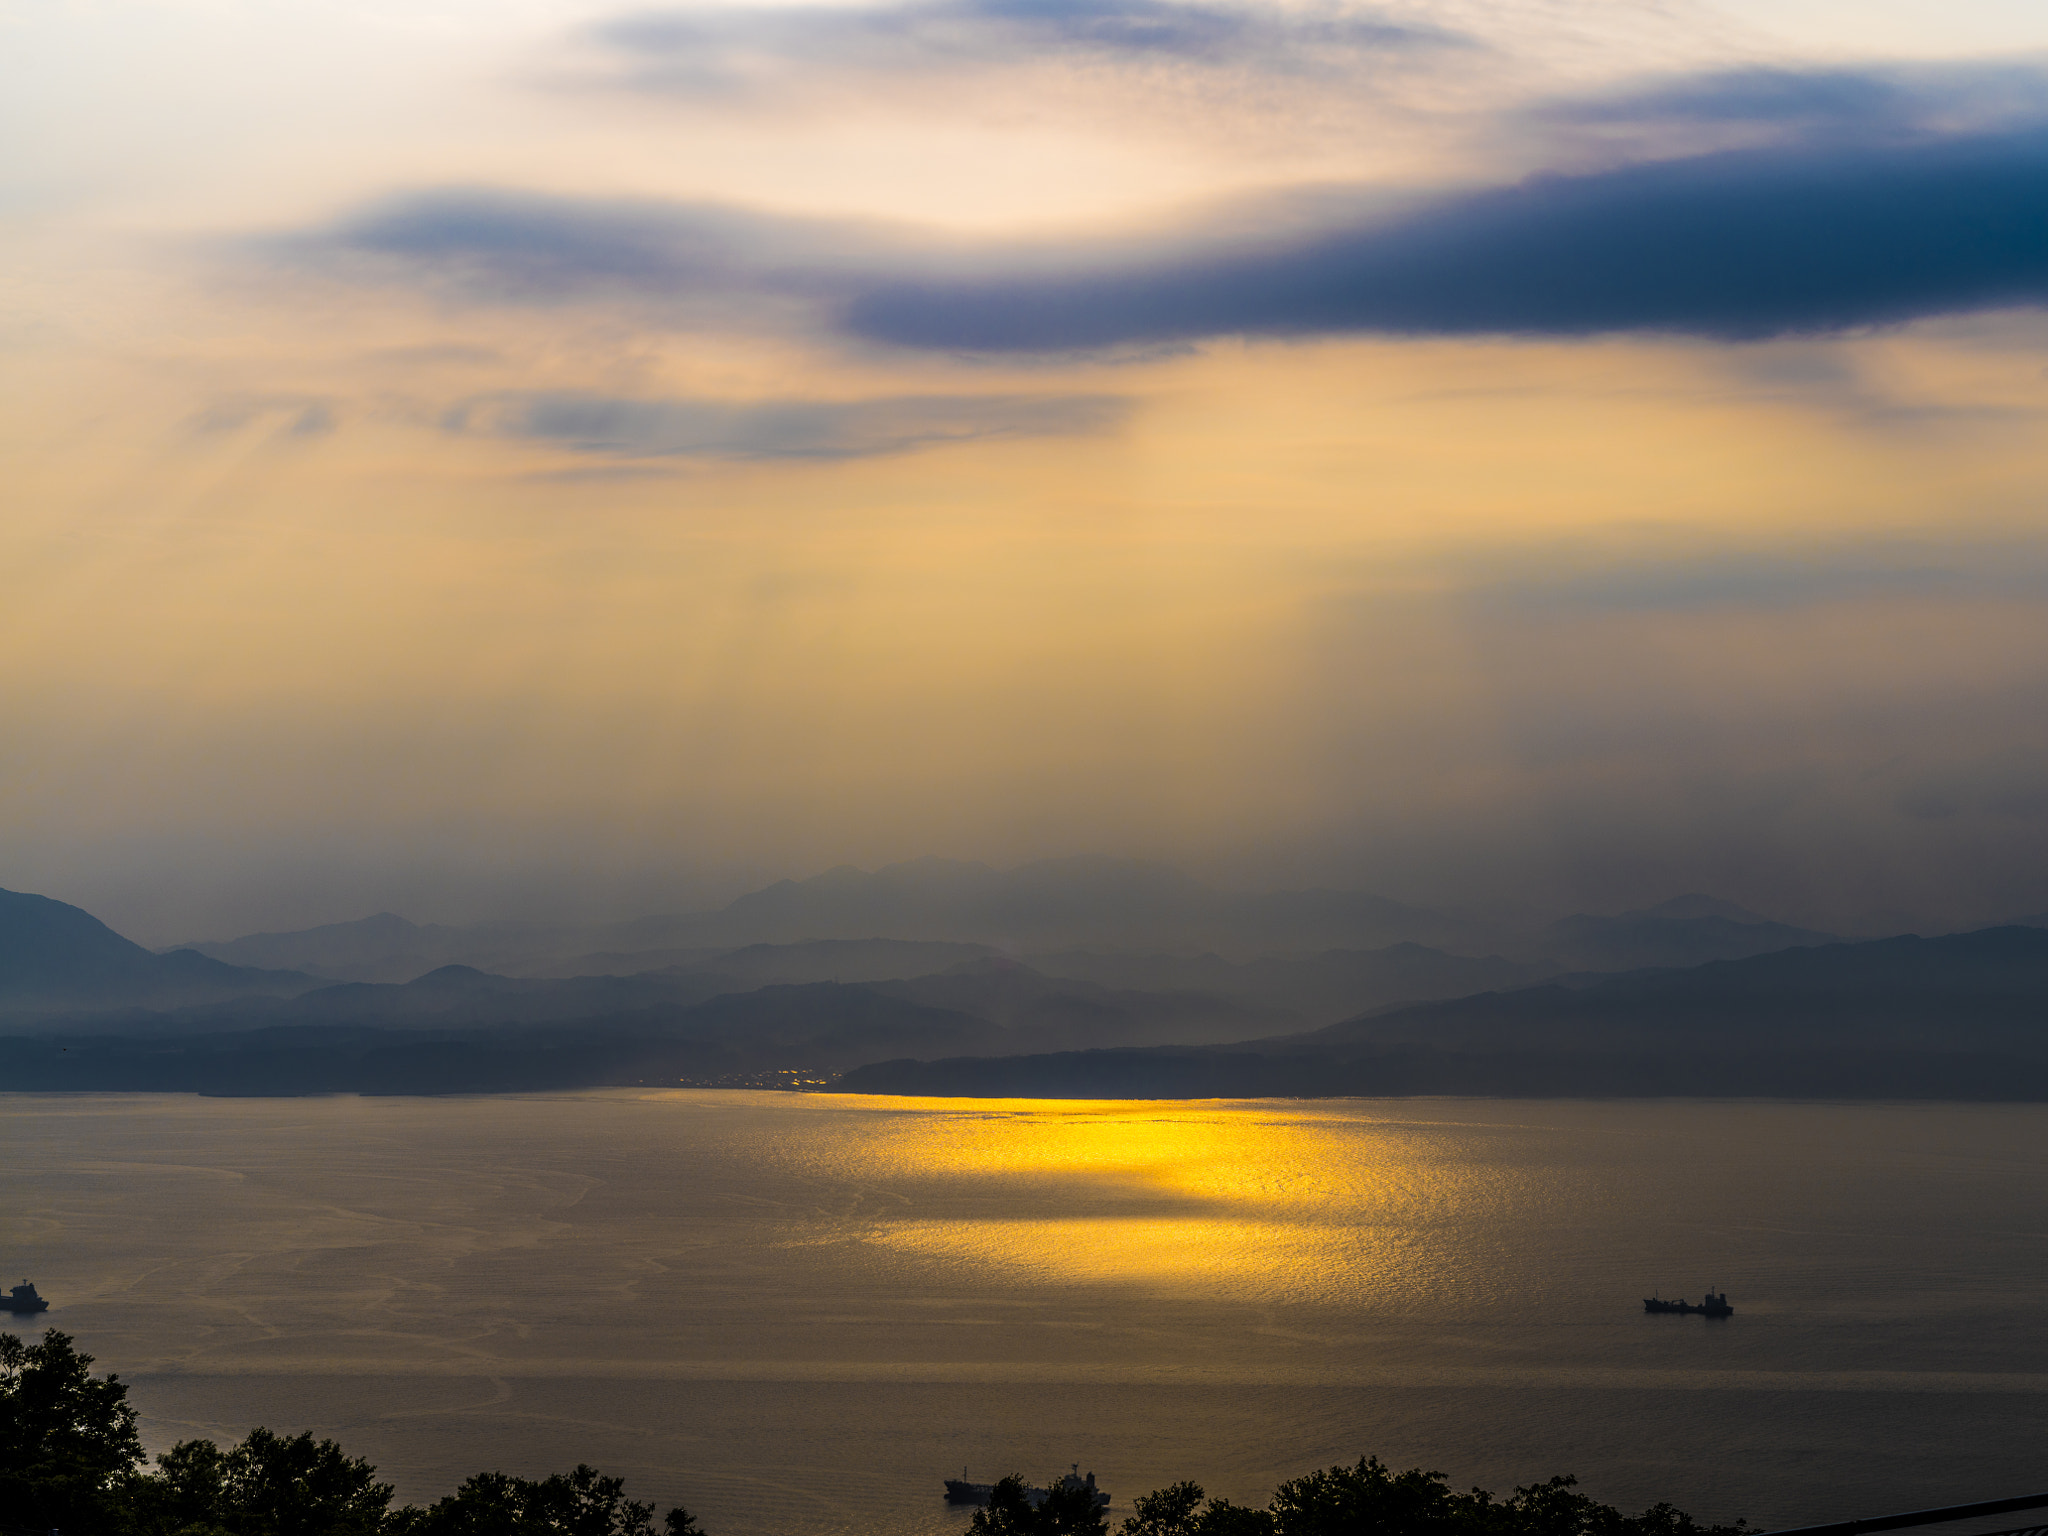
{"x":1810,"y":236}
{"x":1761,"y":95}
{"x":719,"y":49}
{"x":1892,"y":99}
{"x":1739,"y":245}
{"x":777,"y":429}
{"x":537,"y":248}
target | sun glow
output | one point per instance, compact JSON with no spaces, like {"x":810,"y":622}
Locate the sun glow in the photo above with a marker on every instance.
{"x":1294,"y":1206}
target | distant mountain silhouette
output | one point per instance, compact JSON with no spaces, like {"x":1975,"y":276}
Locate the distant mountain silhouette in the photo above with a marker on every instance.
{"x":1686,"y":931}
{"x":1969,"y":990}
{"x":1964,"y":1015}
{"x":1323,"y":987}
{"x":57,"y":958}
{"x":1054,"y":904}
{"x":824,"y":1026}
{"x":1041,"y":1012}
{"x":847,"y":960}
{"x":388,"y":948}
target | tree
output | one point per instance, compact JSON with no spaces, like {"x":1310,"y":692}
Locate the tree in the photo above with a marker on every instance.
{"x":67,"y":1441}
{"x":579,"y":1503}
{"x":1366,"y":1500}
{"x":186,"y":1494}
{"x":1179,"y":1511}
{"x":1370,"y":1500}
{"x":1067,"y":1508}
{"x":278,"y":1486}
{"x":269,"y":1485}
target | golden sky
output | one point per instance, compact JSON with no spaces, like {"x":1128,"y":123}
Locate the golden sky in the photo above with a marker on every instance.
{"x":542,"y":458}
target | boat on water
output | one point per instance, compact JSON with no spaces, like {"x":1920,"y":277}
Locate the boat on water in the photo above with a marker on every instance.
{"x":1716,"y":1305}
{"x":960,"y":1491}
{"x":23,"y":1298}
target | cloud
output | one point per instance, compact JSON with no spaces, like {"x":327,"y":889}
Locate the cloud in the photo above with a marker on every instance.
{"x":1746,"y":244}
{"x":516,"y":247}
{"x":1746,"y":96}
{"x":1807,"y":237}
{"x":292,"y":415}
{"x":778,"y":429}
{"x":720,"y":50}
{"x":1889,"y":100}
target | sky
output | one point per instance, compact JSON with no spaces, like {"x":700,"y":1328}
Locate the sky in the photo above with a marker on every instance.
{"x":536,"y":459}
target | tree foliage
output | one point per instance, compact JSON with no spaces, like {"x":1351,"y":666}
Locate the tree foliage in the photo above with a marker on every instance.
{"x":579,"y":1503}
{"x":67,"y":1440}
{"x":1184,"y":1510}
{"x":269,"y":1485}
{"x":1065,"y":1509}
{"x":1369,"y":1499}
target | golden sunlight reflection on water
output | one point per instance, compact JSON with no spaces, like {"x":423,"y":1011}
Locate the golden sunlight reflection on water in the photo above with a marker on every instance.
{"x":1307,"y":1204}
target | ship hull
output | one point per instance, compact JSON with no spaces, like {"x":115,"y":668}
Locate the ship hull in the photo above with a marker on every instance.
{"x":959,"y":1492}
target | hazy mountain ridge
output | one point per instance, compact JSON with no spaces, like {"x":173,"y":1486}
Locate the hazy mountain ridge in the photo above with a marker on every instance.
{"x":1099,"y":907}
{"x":1674,"y":934}
{"x":56,"y":959}
{"x":1049,"y":905}
{"x":1805,"y":1013}
{"x":1960,"y":1015}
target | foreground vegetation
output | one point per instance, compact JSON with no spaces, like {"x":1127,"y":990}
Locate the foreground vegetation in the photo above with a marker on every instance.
{"x":1364,"y":1500}
{"x":71,"y":1460}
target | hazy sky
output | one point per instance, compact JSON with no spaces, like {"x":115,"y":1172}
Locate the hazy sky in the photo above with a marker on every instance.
{"x":525,"y":457}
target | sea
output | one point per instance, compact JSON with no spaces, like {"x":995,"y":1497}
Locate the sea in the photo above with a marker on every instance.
{"x":797,"y":1313}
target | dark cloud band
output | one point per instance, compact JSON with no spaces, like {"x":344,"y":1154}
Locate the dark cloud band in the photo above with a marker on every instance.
{"x":714,"y":50}
{"x":777,"y":429}
{"x":1747,"y":244}
{"x":1740,"y":245}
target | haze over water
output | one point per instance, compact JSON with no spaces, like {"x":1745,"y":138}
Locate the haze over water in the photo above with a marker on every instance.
{"x":797,"y":1314}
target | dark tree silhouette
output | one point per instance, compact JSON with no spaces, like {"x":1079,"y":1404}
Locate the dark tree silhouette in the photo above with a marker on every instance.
{"x":1065,"y":1510}
{"x":1369,"y":1500}
{"x":579,"y":1503}
{"x":269,"y":1485}
{"x":1180,"y":1511}
{"x":67,"y":1441}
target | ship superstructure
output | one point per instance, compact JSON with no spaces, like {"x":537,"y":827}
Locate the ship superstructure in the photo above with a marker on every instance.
{"x":1716,"y":1305}
{"x":23,"y":1298}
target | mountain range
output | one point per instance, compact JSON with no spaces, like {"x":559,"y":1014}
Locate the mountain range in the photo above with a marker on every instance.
{"x":1098,"y":907}
{"x":55,"y":958}
{"x":1693,"y":995}
{"x":1963,"y":1015}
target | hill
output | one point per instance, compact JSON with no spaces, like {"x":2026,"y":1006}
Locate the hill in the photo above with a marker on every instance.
{"x":1963,"y":1016}
{"x":59,"y":959}
{"x":1102,"y":904}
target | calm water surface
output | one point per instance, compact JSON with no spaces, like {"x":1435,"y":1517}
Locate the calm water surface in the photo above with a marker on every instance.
{"x":797,"y":1314}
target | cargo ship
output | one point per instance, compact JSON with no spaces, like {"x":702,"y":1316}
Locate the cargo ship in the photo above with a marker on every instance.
{"x":1713,"y":1306}
{"x":23,"y":1298}
{"x":960,"y":1491}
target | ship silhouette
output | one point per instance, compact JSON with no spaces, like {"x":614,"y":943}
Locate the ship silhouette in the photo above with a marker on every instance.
{"x":23,"y":1298}
{"x":1713,"y":1306}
